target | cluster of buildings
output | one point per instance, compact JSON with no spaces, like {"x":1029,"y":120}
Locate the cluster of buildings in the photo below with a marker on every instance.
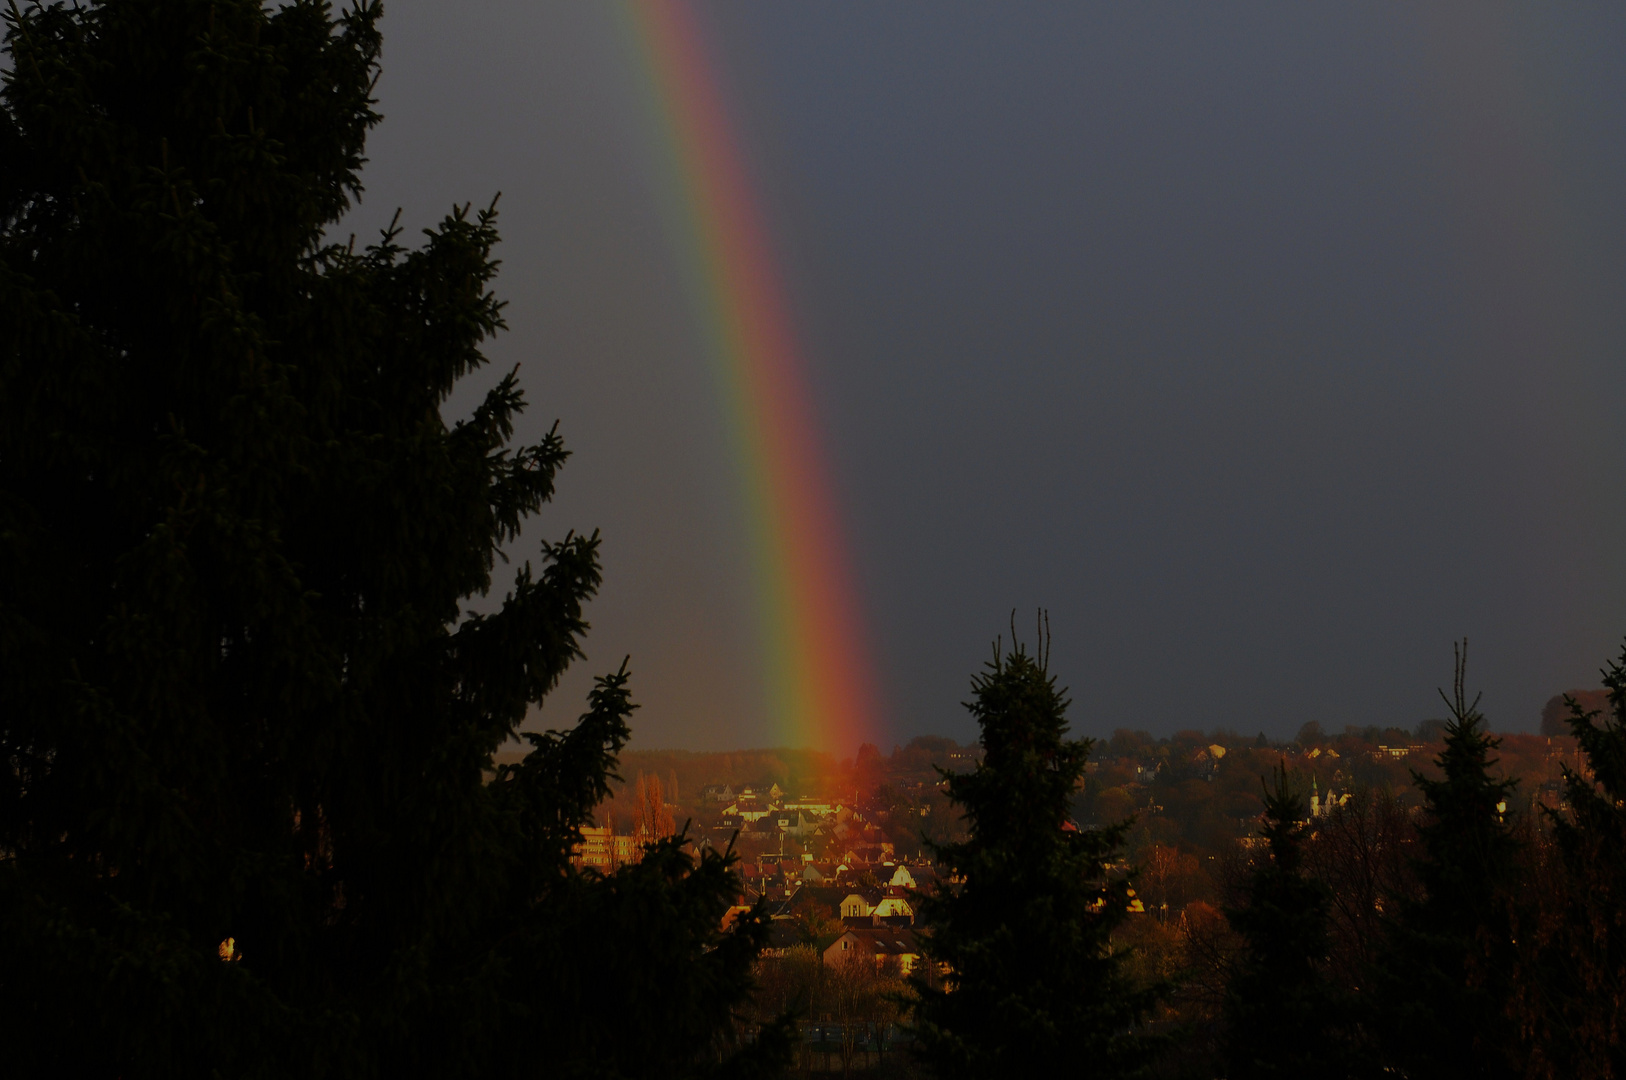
{"x":868,"y":908}
{"x":750,"y":816}
{"x":824,"y":869}
{"x":858,"y":891}
{"x":761,"y":821}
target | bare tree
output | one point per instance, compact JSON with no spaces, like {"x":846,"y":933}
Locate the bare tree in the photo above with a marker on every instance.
{"x":1362,"y":851}
{"x":654,"y":820}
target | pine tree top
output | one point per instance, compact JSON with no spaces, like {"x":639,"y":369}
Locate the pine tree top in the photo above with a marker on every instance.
{"x":1029,"y":769}
{"x":1467,"y":843}
{"x":1025,"y":933}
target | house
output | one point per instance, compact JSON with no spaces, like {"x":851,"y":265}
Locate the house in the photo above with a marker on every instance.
{"x":893,"y":904}
{"x":794,"y":824}
{"x":869,"y":903}
{"x":879,"y":944}
{"x":901,"y":877}
{"x":860,"y":902}
{"x":1321,"y":806}
{"x":602,"y":850}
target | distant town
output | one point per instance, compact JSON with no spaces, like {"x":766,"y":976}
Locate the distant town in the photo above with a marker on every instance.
{"x":798,"y":817}
{"x":840,"y":853}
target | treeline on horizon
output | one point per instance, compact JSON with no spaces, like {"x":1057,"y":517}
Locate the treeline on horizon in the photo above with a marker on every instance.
{"x":1190,"y":808}
{"x":258,"y":669}
{"x":804,"y":772}
{"x":1465,"y":921}
{"x":800,"y":771}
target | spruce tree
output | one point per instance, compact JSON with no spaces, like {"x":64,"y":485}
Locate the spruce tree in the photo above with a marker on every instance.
{"x":250,"y":693}
{"x":1035,"y":985}
{"x":1281,"y":1011}
{"x":1441,"y":994}
{"x":1572,"y":994}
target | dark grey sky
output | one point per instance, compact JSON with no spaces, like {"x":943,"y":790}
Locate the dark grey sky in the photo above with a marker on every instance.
{"x":1270,"y":347}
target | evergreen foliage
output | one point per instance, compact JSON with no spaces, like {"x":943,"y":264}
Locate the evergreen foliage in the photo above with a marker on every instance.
{"x":248,"y":710}
{"x":1281,"y":1010}
{"x":1442,"y":988}
{"x":1573,"y":1008}
{"x":1035,"y":986}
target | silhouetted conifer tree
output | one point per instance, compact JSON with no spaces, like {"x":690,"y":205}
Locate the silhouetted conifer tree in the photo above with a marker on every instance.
{"x":1035,"y":986}
{"x":1571,"y":1007}
{"x":1441,"y":992}
{"x":246,"y":708}
{"x":1282,"y":1012}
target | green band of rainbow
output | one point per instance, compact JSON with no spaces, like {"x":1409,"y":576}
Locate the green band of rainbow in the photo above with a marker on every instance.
{"x":819,"y":684}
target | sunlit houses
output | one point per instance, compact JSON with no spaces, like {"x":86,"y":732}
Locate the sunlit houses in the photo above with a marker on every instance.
{"x":603,"y":850}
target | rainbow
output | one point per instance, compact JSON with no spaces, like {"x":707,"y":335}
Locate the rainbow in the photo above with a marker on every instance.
{"x":814,"y":655}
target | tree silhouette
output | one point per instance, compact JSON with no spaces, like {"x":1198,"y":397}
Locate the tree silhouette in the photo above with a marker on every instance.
{"x":251,"y":695}
{"x":1034,"y":986}
{"x":1281,"y":1009}
{"x":1441,"y":992}
{"x":1572,"y":948}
